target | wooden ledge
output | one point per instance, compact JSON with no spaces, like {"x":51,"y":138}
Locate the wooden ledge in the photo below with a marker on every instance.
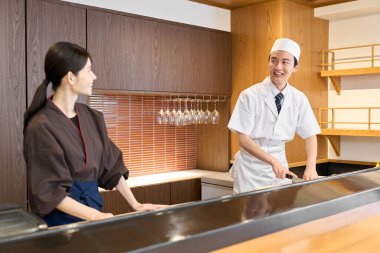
{"x":349,"y":132}
{"x":351,"y":72}
{"x":335,"y":75}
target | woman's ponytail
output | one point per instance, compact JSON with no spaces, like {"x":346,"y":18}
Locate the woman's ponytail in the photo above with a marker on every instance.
{"x":39,"y":101}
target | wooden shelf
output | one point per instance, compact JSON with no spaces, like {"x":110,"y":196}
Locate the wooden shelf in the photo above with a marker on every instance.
{"x":333,"y":135}
{"x":335,"y":75}
{"x":330,"y":62}
{"x":350,"y":132}
{"x":351,"y":72}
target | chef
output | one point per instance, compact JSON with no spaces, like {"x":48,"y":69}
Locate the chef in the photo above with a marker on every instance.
{"x":265,"y":117}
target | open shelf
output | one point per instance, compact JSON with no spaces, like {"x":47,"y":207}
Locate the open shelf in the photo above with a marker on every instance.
{"x":329,"y":63}
{"x":329,"y":129}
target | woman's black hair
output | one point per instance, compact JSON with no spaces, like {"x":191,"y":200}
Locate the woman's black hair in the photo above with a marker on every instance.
{"x":61,"y":58}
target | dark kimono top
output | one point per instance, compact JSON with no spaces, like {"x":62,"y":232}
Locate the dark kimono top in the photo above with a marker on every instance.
{"x":57,"y":153}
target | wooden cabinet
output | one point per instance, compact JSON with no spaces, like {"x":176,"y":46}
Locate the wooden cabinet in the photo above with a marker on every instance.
{"x":167,"y":193}
{"x":116,"y":204}
{"x":12,"y":101}
{"x":48,"y":23}
{"x":185,"y":191}
{"x":135,"y":53}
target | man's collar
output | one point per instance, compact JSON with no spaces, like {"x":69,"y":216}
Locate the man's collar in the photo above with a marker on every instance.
{"x":275,"y":91}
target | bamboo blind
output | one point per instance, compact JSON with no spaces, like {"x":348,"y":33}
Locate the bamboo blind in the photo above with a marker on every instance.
{"x":147,"y":147}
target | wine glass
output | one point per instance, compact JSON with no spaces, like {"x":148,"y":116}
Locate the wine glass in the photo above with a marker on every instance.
{"x":201,"y":113}
{"x":167,"y":113}
{"x":207,"y":114}
{"x":173,"y":114}
{"x":186,"y":114}
{"x":178,"y":121}
{"x":160,"y":115}
{"x":215,"y":117}
{"x":192,"y":119}
{"x":197,"y":115}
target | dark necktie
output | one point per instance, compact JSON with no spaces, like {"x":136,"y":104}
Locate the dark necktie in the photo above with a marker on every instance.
{"x":278,"y":99}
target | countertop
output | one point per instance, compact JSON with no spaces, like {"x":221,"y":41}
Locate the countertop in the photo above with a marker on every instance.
{"x":222,"y":221}
{"x":218,"y":178}
{"x":167,"y":177}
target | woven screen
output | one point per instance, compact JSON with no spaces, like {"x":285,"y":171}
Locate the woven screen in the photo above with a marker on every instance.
{"x":147,"y":147}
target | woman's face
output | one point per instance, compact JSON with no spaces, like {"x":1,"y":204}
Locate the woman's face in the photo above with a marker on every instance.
{"x":84,"y":79}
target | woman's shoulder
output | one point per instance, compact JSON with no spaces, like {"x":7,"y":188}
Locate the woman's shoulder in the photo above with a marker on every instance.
{"x":88,"y":110}
{"x":40,"y":123}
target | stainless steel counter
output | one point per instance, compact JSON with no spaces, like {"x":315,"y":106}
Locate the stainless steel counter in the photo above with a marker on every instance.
{"x":212,"y":224}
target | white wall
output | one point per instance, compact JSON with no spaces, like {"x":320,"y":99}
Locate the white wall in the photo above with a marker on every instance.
{"x":181,"y":11}
{"x":358,"y":91}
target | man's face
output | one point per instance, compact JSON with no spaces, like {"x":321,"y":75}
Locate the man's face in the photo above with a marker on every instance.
{"x":281,"y":67}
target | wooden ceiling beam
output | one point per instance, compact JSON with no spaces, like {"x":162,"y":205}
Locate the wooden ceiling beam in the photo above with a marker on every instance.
{"x":231,"y":4}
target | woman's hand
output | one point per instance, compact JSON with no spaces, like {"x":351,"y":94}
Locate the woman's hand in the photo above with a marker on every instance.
{"x":148,"y":207}
{"x":100,"y":216}
{"x":279,"y":170}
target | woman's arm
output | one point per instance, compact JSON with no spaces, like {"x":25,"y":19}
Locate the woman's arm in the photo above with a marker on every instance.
{"x":74,"y":208}
{"x":126,"y":192}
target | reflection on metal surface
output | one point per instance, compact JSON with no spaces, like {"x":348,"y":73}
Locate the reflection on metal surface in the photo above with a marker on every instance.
{"x":16,"y":221}
{"x":190,"y":228}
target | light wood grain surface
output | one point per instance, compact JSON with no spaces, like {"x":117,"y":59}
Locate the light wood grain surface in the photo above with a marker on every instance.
{"x":351,"y":231}
{"x":254,"y":29}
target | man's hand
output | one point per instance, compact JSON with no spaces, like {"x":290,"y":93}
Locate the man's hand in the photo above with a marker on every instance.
{"x":310,"y":173}
{"x":279,"y":170}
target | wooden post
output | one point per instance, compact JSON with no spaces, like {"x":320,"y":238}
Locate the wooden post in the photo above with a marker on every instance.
{"x":332,"y":118}
{"x":332,"y":60}
{"x":323,"y":60}
{"x":369,"y":118}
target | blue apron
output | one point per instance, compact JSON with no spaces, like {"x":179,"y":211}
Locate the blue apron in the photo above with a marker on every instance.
{"x":85,"y":192}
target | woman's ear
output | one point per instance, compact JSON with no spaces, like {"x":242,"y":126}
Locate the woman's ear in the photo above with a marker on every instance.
{"x":69,"y":78}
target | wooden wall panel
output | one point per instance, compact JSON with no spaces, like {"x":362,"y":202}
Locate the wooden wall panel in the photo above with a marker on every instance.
{"x":311,"y":33}
{"x":140,"y":54}
{"x":12,"y":101}
{"x":185,"y":191}
{"x":318,"y":97}
{"x":254,"y":29}
{"x":115,"y":43}
{"x":213,"y":141}
{"x":47,"y":23}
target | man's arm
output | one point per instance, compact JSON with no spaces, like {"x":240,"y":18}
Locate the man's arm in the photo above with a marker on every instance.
{"x":311,"y":146}
{"x":251,"y":147}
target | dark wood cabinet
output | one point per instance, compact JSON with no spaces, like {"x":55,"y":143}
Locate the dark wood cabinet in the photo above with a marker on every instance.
{"x":134,"y":53}
{"x":47,"y":23}
{"x":185,"y":191}
{"x":167,"y":193}
{"x":12,"y":101}
{"x":129,"y":52}
{"x":116,"y":204}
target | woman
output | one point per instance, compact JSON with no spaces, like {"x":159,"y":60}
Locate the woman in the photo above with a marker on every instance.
{"x":66,"y":147}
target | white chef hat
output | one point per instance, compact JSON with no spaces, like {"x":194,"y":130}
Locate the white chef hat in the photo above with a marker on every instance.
{"x":287,"y":45}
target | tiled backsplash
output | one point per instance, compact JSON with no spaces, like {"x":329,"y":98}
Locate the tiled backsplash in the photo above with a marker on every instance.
{"x":147,"y":147}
